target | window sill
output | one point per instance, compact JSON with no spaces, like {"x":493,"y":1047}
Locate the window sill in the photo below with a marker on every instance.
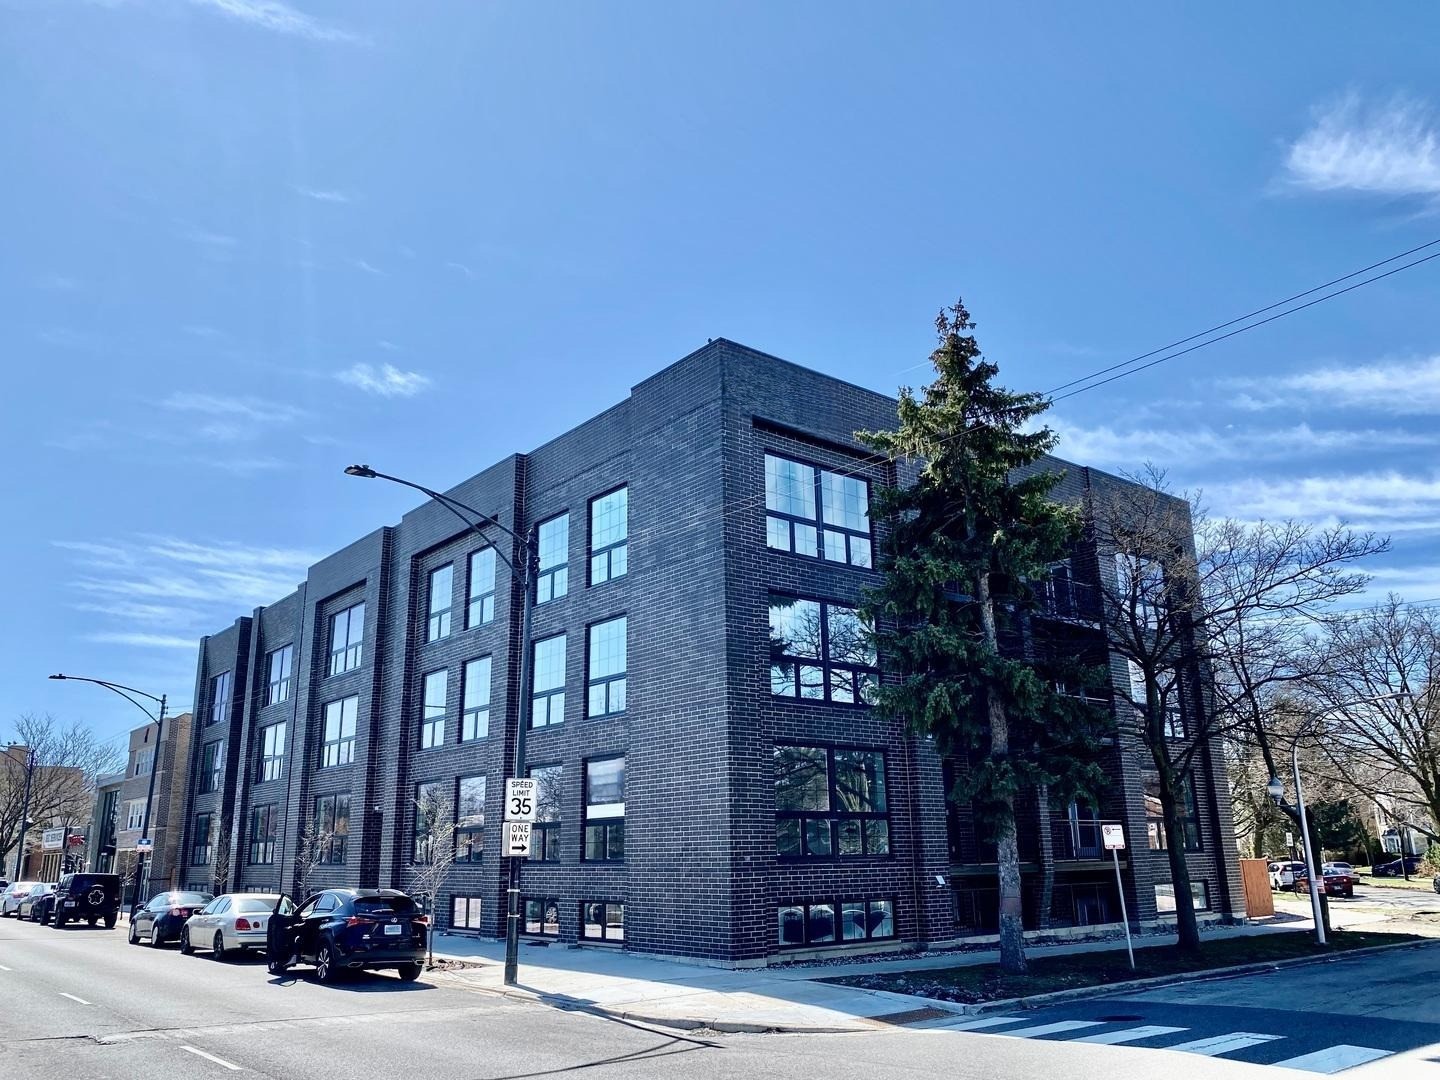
{"x":848,"y":705}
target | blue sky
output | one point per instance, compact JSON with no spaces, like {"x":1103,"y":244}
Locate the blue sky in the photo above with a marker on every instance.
{"x":249,"y":242}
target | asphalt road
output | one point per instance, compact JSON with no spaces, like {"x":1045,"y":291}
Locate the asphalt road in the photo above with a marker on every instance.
{"x":81,"y":1003}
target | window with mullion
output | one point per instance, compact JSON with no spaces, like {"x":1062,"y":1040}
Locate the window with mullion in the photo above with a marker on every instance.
{"x":547,"y":704}
{"x":220,"y":689}
{"x":605,"y":810}
{"x":609,"y":533}
{"x":212,"y":767}
{"x":1157,"y":835}
{"x":432,"y":717}
{"x":429,"y":798}
{"x":1172,"y":701}
{"x":545,"y":844}
{"x":263,"y":820}
{"x":481,"y":606}
{"x":272,"y":753}
{"x":831,"y":922}
{"x":202,"y":848}
{"x":820,"y":651}
{"x":553,"y":543}
{"x":278,"y":667}
{"x":332,"y":826}
{"x":606,"y":668}
{"x":442,"y":598}
{"x":475,"y":700}
{"x":347,"y":632}
{"x":338,"y":747}
{"x":818,"y":513}
{"x":469,"y":819}
{"x":830,"y":802}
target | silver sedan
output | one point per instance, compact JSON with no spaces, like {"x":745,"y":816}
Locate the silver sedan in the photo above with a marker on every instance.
{"x":229,"y":924}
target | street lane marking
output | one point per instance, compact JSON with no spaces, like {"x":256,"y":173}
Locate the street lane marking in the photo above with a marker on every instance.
{"x":1333,"y":1058}
{"x":1224,"y":1044}
{"x":976,"y":1025}
{"x":4,"y":968}
{"x":72,"y":997}
{"x":1050,"y":1029}
{"x":211,"y":1057}
{"x":1110,"y":1038}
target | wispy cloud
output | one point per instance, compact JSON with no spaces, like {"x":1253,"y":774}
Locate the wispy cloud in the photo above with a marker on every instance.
{"x":361,"y":264}
{"x":245,"y":466}
{"x":325,"y":196}
{"x":143,"y":640}
{"x":58,"y":282}
{"x":1385,"y":149}
{"x":385,"y":380}
{"x":1386,"y":501}
{"x":279,"y":18}
{"x":246,"y":409}
{"x":462,"y":269}
{"x":1402,"y":388}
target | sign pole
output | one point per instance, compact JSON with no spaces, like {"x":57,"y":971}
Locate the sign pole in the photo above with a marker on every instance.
{"x":1114,"y":837}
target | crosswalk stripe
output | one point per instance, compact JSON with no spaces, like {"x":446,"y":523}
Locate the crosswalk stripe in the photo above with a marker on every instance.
{"x":976,"y":1025}
{"x":1050,"y":1029}
{"x":1334,"y":1058}
{"x":1149,"y":1031}
{"x":1224,"y":1044}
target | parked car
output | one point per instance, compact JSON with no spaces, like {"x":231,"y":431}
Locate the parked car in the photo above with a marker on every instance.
{"x":1394,"y":869}
{"x":42,"y":908}
{"x":341,"y":929}
{"x":229,"y":924}
{"x":1282,"y":874}
{"x":36,"y":903}
{"x":90,"y":897}
{"x":1335,"y":882}
{"x":12,"y":896}
{"x":164,"y":917}
{"x":1339,"y":866}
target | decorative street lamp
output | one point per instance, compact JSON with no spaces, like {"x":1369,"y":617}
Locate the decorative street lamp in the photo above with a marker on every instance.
{"x":525,"y":572}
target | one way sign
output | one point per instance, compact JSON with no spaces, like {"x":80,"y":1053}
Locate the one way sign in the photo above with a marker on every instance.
{"x":517,"y":839}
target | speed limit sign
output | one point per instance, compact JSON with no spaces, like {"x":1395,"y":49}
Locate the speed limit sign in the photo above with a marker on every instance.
{"x":520,"y":799}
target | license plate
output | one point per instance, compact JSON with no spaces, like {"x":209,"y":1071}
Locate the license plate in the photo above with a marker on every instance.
{"x":392,"y":930}
{"x":69,"y":903}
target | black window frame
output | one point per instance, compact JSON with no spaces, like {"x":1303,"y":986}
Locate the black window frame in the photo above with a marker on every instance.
{"x":546,"y":904}
{"x":548,"y":698}
{"x":613,"y":686}
{"x":333,"y":844}
{"x":1156,"y":837}
{"x":475,"y":715}
{"x":545,"y":833}
{"x":469,"y":828}
{"x":606,"y":933}
{"x":222,"y":689}
{"x":878,"y":911}
{"x":264,"y":827}
{"x":344,"y":747}
{"x":417,"y":856}
{"x":212,"y":766}
{"x":431,"y":730}
{"x":858,"y":545}
{"x":616,"y":550}
{"x":439,"y":621}
{"x":201,"y":843}
{"x":485,"y":599}
{"x":277,"y":686}
{"x":606,"y":830}
{"x":350,"y":653}
{"x":860,"y":680}
{"x":552,"y":580}
{"x":474,"y":918}
{"x":808,"y":834}
{"x":270,"y":757}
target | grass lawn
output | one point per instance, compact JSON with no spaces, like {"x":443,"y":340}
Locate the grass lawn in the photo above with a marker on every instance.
{"x":983,"y":982}
{"x":1423,"y":882}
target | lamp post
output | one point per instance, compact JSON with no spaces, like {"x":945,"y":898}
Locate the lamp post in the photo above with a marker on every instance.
{"x":525,"y":572}
{"x":1276,"y":790}
{"x":158,"y":719}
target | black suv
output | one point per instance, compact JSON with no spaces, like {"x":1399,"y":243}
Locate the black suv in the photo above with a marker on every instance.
{"x":341,"y":929}
{"x":90,"y":897}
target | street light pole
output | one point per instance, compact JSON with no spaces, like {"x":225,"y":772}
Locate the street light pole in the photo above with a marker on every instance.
{"x":525,"y":574}
{"x":158,"y":719}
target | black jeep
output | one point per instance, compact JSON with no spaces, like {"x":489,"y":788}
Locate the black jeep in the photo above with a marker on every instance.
{"x":90,"y":897}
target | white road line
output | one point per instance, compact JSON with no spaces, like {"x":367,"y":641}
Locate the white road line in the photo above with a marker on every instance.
{"x":1050,"y":1029}
{"x":1224,"y":1044}
{"x":211,"y":1057}
{"x":4,"y":968}
{"x":72,"y":997}
{"x":1334,"y":1058}
{"x":976,"y":1025}
{"x":1110,"y":1038}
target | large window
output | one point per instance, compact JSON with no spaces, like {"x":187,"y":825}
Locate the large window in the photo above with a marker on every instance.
{"x":1155,"y":818}
{"x":542,"y":916}
{"x":553,"y":540}
{"x":432,"y":718}
{"x":220,"y":688}
{"x":202,"y":848}
{"x":1141,"y":588}
{"x":470,"y":819}
{"x":1165,"y":897}
{"x":278,"y":667}
{"x":429,"y":801}
{"x":212,"y":767}
{"x":820,"y":652}
{"x":272,"y":753}
{"x":347,"y":630}
{"x":442,"y":588}
{"x":605,"y":809}
{"x":609,"y":532}
{"x":840,"y":531}
{"x":465,"y":913}
{"x":1170,"y":698}
{"x":482,"y":588}
{"x":545,"y":843}
{"x":144,"y":762}
{"x":332,"y":828}
{"x":263,"y":822}
{"x":547,"y":704}
{"x":835,"y":923}
{"x":135,"y":814}
{"x":602,"y":921}
{"x":606,"y":669}
{"x":475,"y":704}
{"x":339,"y":744}
{"x":830,"y":801}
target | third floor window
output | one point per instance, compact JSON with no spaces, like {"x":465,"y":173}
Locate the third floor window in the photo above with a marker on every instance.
{"x":272,"y":752}
{"x":548,"y":682}
{"x":482,"y":589}
{"x":609,"y":535}
{"x":212,"y":767}
{"x":553,"y":540}
{"x":816,"y":512}
{"x":220,"y":687}
{"x":442,"y":588}
{"x":347,"y":630}
{"x":339,"y":745}
{"x":278,"y":665}
{"x":606,"y":668}
{"x":820,"y":651}
{"x":432,"y":719}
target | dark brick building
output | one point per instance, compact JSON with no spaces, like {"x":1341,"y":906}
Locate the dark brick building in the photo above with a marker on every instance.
{"x":712,"y":782}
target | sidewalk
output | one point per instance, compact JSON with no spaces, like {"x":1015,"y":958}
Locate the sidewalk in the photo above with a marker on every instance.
{"x":678,"y":994}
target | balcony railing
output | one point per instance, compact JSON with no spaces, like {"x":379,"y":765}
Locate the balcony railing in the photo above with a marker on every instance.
{"x":1077,"y":838}
{"x":1062,"y":597}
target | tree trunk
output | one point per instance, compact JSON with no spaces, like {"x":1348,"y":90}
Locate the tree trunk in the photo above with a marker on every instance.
{"x":1186,"y":928}
{"x":1012,"y":921}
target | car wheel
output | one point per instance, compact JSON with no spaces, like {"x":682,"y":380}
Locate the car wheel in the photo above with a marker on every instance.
{"x":218,"y":946}
{"x":408,"y":972}
{"x":325,"y":969}
{"x":58,"y":921}
{"x":92,"y":920}
{"x":186,"y":948}
{"x":1349,"y":894}
{"x":45,"y":915}
{"x":134,"y":938}
{"x":110,"y":921}
{"x":156,"y":938}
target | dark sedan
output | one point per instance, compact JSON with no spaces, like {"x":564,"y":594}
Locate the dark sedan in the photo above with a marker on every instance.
{"x":354,"y":929}
{"x":162,"y":919}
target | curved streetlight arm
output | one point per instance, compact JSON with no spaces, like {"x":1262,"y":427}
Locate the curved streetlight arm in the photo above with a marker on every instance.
{"x":118,"y":688}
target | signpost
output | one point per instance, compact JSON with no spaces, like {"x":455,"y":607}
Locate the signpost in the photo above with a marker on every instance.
{"x":1114,"y":837}
{"x":520,"y":799}
{"x":517,"y":840}
{"x":52,"y":839}
{"x":145,"y":845}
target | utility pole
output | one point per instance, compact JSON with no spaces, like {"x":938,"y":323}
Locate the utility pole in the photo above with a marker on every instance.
{"x":24,"y":810}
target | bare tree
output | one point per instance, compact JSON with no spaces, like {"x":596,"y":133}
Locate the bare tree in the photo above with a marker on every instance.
{"x":434,"y":855}
{"x":220,"y":854}
{"x":314,"y":850}
{"x":1211,"y":618}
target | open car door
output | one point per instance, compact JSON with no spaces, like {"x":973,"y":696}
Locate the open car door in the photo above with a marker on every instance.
{"x":280,"y":936}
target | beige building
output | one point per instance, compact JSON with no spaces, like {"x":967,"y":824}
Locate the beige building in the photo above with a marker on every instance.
{"x":169,"y":761}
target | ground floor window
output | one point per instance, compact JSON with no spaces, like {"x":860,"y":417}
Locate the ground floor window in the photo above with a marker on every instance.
{"x":542,"y":916}
{"x":1084,"y":903}
{"x":832,"y":923}
{"x":1165,"y":897}
{"x":465,"y":913}
{"x":602,"y":921}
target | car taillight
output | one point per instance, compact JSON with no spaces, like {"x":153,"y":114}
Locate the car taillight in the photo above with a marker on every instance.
{"x":421,"y":920}
{"x":242,"y":924}
{"x":178,"y":912}
{"x":358,"y":920}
